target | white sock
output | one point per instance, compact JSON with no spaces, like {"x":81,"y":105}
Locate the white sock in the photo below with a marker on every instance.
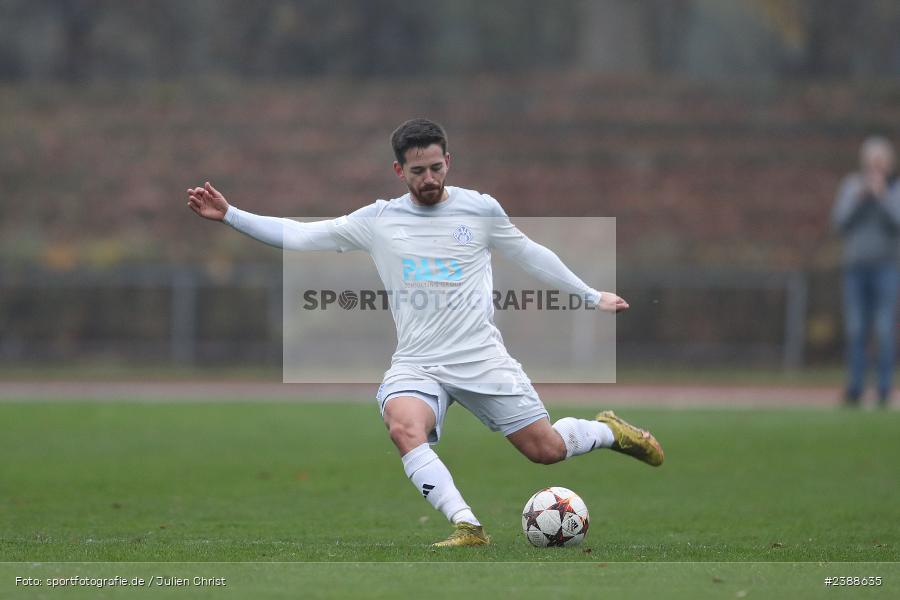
{"x":433,"y":480}
{"x":581,"y":436}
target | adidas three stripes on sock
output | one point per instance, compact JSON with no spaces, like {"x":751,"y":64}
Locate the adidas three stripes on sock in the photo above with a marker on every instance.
{"x":433,"y":480}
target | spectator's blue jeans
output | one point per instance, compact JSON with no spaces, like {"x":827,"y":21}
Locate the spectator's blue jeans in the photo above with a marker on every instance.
{"x":870,"y":299}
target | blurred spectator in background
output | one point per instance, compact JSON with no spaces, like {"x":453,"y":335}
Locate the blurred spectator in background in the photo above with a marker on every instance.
{"x":867,"y":216}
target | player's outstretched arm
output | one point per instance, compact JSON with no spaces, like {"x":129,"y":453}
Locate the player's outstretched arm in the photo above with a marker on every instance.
{"x":545,"y":265}
{"x":288,"y":234}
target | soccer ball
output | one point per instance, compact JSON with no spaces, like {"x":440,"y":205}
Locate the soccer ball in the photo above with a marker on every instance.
{"x":555,"y":516}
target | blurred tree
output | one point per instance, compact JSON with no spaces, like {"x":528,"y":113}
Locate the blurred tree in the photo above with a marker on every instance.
{"x":77,"y":21}
{"x":79,"y":40}
{"x":838,"y":38}
{"x":615,"y":36}
{"x":668,"y":23}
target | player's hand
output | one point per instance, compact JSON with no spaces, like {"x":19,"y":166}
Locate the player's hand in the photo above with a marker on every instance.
{"x":208,"y":202}
{"x":612,"y":303}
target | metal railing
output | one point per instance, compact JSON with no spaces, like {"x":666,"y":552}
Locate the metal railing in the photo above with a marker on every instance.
{"x":178,"y":337}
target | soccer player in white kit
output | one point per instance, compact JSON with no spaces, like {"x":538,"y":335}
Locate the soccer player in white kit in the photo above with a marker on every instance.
{"x":440,"y":238}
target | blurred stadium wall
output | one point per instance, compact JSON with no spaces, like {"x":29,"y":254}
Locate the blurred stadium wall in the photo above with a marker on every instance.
{"x":715,"y":132}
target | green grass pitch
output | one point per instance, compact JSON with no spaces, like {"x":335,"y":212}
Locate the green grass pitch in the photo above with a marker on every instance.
{"x":313,"y":497}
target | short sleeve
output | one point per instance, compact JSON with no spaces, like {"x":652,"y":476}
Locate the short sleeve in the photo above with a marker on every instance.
{"x":354,"y":231}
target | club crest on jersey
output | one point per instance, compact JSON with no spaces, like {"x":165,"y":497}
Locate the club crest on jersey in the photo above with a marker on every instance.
{"x":463,"y":235}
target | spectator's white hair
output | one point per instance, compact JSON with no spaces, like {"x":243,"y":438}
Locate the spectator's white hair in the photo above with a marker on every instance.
{"x":875,"y":145}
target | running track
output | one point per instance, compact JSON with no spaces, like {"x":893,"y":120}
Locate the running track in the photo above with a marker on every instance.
{"x":600,"y":395}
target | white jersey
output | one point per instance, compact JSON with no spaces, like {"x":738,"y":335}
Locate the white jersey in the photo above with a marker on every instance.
{"x":435,"y":264}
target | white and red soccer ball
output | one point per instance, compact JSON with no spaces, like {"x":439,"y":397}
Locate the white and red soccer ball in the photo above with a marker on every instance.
{"x":555,"y":516}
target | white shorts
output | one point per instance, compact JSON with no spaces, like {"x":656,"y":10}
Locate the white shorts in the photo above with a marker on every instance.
{"x":497,"y":391}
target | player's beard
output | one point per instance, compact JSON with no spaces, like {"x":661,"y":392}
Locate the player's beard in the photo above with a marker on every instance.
{"x":429,"y":198}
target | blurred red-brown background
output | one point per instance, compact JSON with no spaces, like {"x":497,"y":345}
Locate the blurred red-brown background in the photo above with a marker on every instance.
{"x":716,"y":134}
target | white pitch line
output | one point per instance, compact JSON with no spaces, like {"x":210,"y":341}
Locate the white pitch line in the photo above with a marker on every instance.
{"x":593,"y":395}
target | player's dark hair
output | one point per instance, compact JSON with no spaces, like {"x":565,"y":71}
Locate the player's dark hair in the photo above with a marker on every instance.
{"x":417,"y":133}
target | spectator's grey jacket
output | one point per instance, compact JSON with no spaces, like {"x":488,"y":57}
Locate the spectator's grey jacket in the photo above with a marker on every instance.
{"x":870,"y":227}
